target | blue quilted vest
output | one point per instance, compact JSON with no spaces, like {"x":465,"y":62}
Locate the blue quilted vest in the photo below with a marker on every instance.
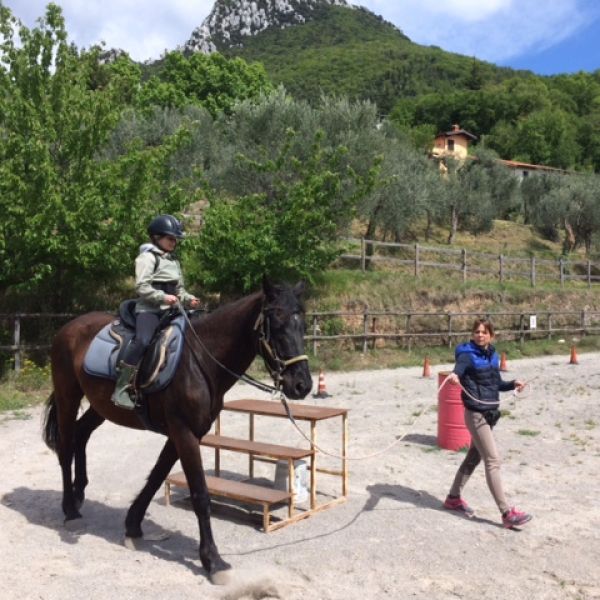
{"x":479,"y":372}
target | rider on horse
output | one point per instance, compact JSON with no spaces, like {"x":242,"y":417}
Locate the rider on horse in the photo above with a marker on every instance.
{"x":159,"y":285}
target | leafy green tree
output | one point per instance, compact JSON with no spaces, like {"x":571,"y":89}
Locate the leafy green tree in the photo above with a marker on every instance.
{"x":464,"y":198}
{"x":211,"y":81}
{"x":287,"y":233}
{"x":547,"y":137}
{"x":534,"y":193}
{"x":402,"y":191}
{"x":277,"y":125}
{"x":71,"y":219}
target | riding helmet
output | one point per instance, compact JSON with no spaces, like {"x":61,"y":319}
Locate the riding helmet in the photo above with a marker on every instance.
{"x":166,"y":225}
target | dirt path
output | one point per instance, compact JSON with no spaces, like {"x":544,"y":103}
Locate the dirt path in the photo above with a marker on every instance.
{"x":390,"y":539}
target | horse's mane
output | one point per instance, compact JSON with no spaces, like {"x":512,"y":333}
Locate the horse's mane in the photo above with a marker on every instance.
{"x":202,"y":320}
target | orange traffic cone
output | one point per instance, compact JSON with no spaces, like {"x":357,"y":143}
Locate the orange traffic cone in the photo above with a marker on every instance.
{"x":322,"y":390}
{"x":426,"y":367}
{"x":503,"y":366}
{"x":573,"y":360}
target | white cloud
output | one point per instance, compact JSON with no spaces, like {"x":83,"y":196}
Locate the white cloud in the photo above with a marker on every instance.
{"x":143,"y":28}
{"x":493,"y":30}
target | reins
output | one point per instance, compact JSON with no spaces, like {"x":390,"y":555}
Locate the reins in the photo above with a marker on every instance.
{"x":276,"y":390}
{"x":264,"y":343}
{"x":388,"y":447}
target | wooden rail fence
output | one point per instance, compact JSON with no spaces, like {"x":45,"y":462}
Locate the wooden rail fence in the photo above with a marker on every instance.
{"x":365,"y":329}
{"x":469,"y":265}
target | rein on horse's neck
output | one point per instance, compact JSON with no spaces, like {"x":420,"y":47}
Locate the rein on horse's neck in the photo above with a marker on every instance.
{"x":228,"y":332}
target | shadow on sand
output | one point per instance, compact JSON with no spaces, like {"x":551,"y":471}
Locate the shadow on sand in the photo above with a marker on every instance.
{"x":42,"y":508}
{"x":418,"y":498}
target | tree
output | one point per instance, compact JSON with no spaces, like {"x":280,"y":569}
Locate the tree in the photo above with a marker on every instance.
{"x":211,"y":81}
{"x":464,"y":199}
{"x":71,"y":218}
{"x":288,"y":232}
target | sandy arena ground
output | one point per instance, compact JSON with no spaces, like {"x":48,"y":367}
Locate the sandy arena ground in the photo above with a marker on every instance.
{"x":391,"y":539}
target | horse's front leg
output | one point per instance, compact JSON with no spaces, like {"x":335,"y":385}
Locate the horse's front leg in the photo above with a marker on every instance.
{"x":188,"y":449}
{"x":135,"y":515}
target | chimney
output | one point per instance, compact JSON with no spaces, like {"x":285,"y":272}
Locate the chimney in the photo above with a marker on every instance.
{"x":455,"y":127}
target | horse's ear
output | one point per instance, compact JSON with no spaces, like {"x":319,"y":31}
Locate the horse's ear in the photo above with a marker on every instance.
{"x":299,"y":288}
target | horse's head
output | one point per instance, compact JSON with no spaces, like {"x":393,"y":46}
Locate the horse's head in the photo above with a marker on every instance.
{"x":282,"y":338}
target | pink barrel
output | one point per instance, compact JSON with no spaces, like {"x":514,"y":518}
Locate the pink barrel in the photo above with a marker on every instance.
{"x":452,"y":432}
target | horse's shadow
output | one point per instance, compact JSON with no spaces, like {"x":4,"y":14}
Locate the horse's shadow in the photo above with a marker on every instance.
{"x":418,"y":498}
{"x":41,"y":508}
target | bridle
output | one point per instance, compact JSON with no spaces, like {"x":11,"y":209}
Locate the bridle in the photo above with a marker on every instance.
{"x":274,"y":364}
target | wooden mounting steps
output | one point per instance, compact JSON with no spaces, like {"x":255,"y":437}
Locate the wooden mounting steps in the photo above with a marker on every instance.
{"x":235,"y":490}
{"x":253,"y":447}
{"x":247,"y":492}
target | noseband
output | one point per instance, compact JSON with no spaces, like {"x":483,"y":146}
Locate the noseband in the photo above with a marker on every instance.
{"x":274,"y":364}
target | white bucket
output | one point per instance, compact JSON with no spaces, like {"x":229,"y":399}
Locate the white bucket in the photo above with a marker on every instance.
{"x":301,"y":485}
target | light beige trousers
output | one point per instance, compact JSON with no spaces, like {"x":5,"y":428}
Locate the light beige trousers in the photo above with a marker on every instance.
{"x":483,"y":446}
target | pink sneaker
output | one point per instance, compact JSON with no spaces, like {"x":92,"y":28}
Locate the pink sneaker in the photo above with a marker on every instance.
{"x":459,"y":505}
{"x":515,"y":518}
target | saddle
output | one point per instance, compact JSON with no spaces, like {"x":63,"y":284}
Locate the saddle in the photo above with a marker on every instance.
{"x":160,"y":360}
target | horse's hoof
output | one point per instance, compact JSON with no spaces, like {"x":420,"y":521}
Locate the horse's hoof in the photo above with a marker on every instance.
{"x":75,"y":525}
{"x":221,"y":577}
{"x":132,"y":543}
{"x":159,"y":536}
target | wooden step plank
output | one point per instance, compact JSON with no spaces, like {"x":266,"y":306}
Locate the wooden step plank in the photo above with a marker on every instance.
{"x":253,"y":447}
{"x":275,"y":409}
{"x":235,"y":490}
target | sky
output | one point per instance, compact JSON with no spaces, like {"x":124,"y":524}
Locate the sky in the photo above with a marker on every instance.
{"x":545,"y":36}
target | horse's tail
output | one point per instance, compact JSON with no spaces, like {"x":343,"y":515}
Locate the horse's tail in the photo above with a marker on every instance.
{"x":50,"y":428}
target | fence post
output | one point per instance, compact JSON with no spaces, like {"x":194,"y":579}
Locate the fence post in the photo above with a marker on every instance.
{"x":373,"y":330}
{"x":365,"y":328}
{"x":561,"y":267}
{"x":464,"y":264}
{"x":522,"y":328}
{"x":501,"y":268}
{"x":549,"y":326}
{"x":17,"y":343}
{"x":363,"y":254}
{"x":315,"y":330}
{"x":589,"y":273}
{"x":407,"y":329}
{"x":449,"y":330}
{"x":533,"y":271}
{"x":583,"y":321}
{"x":417,"y":266}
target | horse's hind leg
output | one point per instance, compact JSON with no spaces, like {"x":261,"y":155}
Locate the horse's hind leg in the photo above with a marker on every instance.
{"x":84,"y":427}
{"x":135,"y":515}
{"x":67,"y":408}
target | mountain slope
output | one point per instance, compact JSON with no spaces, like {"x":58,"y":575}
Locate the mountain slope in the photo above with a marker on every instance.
{"x":355,"y":52}
{"x":231,"y":21}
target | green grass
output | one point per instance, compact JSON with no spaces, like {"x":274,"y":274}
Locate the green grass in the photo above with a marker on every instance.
{"x":31,"y":386}
{"x":528,"y":432}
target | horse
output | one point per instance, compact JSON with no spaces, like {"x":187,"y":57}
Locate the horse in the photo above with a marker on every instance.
{"x":218,"y":347}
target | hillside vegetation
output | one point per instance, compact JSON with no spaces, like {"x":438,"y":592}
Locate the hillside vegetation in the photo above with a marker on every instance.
{"x":544,"y":120}
{"x":358,"y":54}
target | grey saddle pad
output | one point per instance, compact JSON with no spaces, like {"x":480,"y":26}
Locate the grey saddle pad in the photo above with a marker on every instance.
{"x":102,"y":355}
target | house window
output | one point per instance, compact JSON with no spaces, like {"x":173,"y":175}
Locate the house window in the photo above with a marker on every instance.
{"x":450,"y":145}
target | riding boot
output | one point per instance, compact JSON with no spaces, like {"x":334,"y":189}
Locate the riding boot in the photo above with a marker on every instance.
{"x":121,"y":396}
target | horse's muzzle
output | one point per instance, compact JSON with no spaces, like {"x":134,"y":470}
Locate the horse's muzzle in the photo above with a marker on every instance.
{"x":297,"y":383}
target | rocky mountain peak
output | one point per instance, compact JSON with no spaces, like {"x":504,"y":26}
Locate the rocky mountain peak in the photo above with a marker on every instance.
{"x":231,"y":20}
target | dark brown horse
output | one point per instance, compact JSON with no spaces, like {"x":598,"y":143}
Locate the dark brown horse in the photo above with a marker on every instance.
{"x":225,"y":343}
